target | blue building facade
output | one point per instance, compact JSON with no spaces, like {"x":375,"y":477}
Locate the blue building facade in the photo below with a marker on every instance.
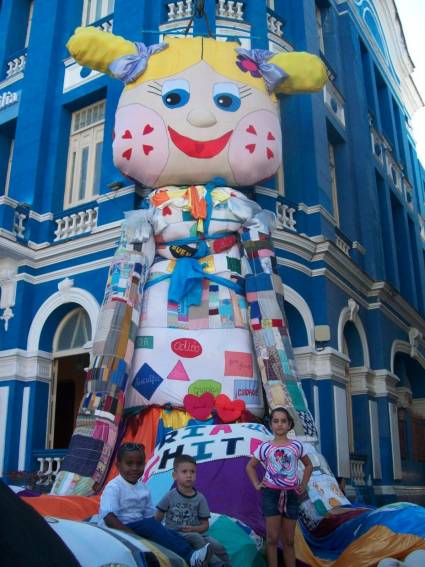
{"x":350,"y":240}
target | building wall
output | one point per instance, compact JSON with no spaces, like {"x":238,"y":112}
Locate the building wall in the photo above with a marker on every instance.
{"x":350,"y":235}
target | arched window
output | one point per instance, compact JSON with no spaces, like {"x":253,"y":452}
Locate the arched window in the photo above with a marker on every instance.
{"x":73,"y":332}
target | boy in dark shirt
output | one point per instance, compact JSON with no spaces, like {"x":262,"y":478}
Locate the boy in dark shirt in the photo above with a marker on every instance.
{"x":186,"y":511}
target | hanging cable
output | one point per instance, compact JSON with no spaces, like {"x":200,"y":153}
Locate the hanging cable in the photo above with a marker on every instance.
{"x":199,"y":12}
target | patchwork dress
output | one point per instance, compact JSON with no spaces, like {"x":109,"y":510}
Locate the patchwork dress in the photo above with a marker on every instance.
{"x":193,"y":304}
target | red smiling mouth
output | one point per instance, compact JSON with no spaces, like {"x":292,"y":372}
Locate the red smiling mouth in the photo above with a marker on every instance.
{"x":199,"y":149}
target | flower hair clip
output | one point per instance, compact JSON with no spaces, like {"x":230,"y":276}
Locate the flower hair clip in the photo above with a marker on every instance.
{"x":255,"y":62}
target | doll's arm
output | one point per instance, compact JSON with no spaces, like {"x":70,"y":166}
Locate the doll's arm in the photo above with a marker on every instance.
{"x":264,"y":294}
{"x":112,"y":353}
{"x":124,"y":290}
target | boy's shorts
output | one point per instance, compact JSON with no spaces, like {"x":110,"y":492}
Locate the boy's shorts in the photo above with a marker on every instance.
{"x":270,"y":504}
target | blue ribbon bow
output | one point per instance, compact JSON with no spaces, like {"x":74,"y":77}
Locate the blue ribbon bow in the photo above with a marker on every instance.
{"x":129,"y":67}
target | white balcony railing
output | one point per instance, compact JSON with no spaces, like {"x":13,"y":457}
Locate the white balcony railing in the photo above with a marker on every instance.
{"x":393,"y":170}
{"x":49,"y":468}
{"x":422,"y":228}
{"x":335,"y":102}
{"x":408,"y":192}
{"x":377,"y":145}
{"x":285,"y":216}
{"x":230,"y":9}
{"x":179,"y":10}
{"x":76,"y":223}
{"x":342,"y":245}
{"x":16,"y":65}
{"x":274,"y":25}
{"x":19,"y":224}
{"x":224,"y":9}
{"x":357,"y":472}
{"x":105,"y":24}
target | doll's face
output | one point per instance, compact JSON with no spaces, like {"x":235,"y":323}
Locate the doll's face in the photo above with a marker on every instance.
{"x":194,"y":126}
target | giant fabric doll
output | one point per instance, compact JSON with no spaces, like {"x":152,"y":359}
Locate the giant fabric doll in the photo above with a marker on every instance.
{"x":192,"y":317}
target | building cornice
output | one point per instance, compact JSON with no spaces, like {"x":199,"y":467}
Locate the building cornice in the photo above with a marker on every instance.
{"x":397,"y":50}
{"x":104,"y":237}
{"x":326,"y":364}
{"x":17,"y":364}
{"x":343,"y":272}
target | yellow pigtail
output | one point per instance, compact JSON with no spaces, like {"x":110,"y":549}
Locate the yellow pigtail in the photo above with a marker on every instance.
{"x":97,"y":49}
{"x":306,"y":72}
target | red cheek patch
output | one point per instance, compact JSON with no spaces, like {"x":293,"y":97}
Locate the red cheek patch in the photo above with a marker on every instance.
{"x":147,"y":129}
{"x":255,"y":148}
{"x":141,"y":146}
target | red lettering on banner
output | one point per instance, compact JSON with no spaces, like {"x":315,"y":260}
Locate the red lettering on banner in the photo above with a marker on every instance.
{"x":221,"y":428}
{"x":187,"y":348}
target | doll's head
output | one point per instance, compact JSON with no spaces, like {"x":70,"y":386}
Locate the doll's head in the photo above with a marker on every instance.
{"x":199,"y":109}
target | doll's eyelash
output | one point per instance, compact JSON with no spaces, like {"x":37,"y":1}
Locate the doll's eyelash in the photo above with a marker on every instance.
{"x":156,"y":87}
{"x":157,"y":93}
{"x":244,"y":90}
{"x":244,"y":95}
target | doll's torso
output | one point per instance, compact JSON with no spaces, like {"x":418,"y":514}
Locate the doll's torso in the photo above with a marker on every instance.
{"x":183,"y":348}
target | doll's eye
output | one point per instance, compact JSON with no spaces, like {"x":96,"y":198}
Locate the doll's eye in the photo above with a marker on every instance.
{"x":175,"y":93}
{"x":226,"y":96}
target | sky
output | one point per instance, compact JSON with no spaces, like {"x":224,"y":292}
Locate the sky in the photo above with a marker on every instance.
{"x":412,"y":16}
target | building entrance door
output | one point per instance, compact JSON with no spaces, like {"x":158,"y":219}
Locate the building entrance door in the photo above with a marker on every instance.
{"x":71,"y":359}
{"x":69,"y":389}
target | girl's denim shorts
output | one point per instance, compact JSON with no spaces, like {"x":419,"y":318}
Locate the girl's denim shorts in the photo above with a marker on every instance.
{"x":270,"y":504}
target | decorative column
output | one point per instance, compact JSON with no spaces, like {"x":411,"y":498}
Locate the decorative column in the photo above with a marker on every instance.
{"x":8,"y":273}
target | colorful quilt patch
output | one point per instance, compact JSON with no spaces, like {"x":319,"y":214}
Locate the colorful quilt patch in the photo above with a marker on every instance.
{"x":308,"y":423}
{"x":277,"y":395}
{"x":248,"y":391}
{"x":258,"y":282}
{"x":178,"y":373}
{"x":83,"y":455}
{"x":238,"y":364}
{"x":297,"y":397}
{"x":144,"y":341}
{"x":234,"y":264}
{"x":201,"y":386}
{"x":146,"y":381}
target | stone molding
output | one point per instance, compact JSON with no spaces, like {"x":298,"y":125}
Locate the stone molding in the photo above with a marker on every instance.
{"x":8,"y":283}
{"x":18,"y":364}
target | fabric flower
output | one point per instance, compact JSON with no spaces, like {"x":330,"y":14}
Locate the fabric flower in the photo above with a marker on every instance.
{"x":247,"y":65}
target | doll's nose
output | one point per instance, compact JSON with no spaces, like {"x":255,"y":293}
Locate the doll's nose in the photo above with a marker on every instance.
{"x":201,"y":117}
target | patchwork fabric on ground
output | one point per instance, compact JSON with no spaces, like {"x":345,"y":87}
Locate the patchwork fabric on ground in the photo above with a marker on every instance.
{"x":83,"y":455}
{"x":308,"y":424}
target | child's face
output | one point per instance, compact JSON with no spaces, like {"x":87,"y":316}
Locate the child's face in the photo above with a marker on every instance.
{"x":131,"y":466}
{"x":280,"y":423}
{"x":185,"y":475}
{"x":194,"y":126}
